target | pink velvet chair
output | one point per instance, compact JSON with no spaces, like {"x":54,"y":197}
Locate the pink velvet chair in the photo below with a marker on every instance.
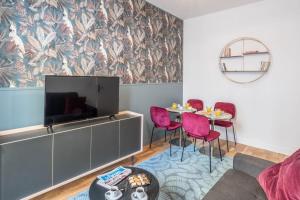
{"x":196,"y":103}
{"x":229,"y":108}
{"x":197,"y":127}
{"x":161,"y":119}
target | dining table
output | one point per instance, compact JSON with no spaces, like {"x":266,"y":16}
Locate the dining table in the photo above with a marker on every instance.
{"x":179,"y":111}
{"x":213,"y":116}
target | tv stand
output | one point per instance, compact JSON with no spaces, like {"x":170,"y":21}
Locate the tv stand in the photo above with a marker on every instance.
{"x":112,"y":117}
{"x":50,"y":129}
{"x":72,"y":151}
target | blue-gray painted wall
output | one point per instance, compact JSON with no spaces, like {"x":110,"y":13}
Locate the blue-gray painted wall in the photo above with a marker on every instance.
{"x":21,"y":107}
{"x":25,"y":107}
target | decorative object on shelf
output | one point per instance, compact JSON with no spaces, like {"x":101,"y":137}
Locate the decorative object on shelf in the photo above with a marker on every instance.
{"x":245,"y":60}
{"x":265,"y":66}
{"x":223,"y":67}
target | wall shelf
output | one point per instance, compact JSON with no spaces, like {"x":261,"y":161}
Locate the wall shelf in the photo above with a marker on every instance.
{"x":244,"y":56}
{"x":238,"y":56}
{"x":255,"y":53}
{"x":256,"y":71}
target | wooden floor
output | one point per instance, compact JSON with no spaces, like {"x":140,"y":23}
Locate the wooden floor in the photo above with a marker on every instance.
{"x":71,"y":189}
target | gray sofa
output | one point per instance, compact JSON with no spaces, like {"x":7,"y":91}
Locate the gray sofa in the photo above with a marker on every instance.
{"x":240,"y":182}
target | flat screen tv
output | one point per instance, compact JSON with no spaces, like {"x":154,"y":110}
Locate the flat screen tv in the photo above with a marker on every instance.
{"x":70,"y":98}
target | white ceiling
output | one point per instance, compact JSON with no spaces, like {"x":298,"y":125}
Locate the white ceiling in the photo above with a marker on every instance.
{"x":185,"y":9}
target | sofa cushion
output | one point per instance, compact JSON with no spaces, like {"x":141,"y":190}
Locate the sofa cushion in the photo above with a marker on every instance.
{"x":236,"y":185}
{"x":250,"y":165}
{"x":282,"y":181}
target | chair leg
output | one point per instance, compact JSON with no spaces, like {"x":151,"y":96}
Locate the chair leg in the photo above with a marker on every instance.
{"x":195,"y":140}
{"x":209,"y":150}
{"x":151,"y":137}
{"x":227,"y":140}
{"x":170,"y":144}
{"x":181,"y":135}
{"x":233,"y":134}
{"x":184,"y":140}
{"x":220,"y":149}
{"x":165,"y":135}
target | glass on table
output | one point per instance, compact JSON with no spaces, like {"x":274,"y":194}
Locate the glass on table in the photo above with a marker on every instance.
{"x":174,"y":106}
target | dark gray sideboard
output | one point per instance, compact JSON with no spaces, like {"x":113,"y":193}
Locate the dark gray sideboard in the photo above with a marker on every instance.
{"x":33,"y":162}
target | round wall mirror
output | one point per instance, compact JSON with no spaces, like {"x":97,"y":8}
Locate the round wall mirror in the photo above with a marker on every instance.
{"x":245,"y":60}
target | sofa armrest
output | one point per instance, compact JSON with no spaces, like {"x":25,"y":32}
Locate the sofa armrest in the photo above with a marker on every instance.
{"x":249,"y":164}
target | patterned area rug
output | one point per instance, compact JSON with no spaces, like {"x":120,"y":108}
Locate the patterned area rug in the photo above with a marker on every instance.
{"x":186,"y":180}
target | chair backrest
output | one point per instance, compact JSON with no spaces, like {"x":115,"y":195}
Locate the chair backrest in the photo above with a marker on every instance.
{"x":196,"y":103}
{"x":160,"y":116}
{"x":195,"y":125}
{"x":226,"y":107}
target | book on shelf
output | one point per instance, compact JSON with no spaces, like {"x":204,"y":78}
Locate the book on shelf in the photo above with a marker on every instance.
{"x":223,"y":67}
{"x":227,"y":52}
{"x":111,"y":178}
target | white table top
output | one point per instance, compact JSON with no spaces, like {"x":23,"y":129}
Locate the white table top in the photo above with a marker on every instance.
{"x":213,"y":116}
{"x":180,"y":111}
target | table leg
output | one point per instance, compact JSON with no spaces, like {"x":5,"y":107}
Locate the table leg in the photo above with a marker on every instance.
{"x":180,"y":137}
{"x":132,"y":160}
{"x":212,"y":142}
{"x":179,"y":141}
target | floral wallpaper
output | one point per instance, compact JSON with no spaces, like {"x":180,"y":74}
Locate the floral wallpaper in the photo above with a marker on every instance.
{"x":128,"y":38}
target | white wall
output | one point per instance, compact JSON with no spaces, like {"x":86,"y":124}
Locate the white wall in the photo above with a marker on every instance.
{"x":268,"y":109}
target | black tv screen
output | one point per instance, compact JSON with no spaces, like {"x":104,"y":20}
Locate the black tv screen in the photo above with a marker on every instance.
{"x":69,"y":98}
